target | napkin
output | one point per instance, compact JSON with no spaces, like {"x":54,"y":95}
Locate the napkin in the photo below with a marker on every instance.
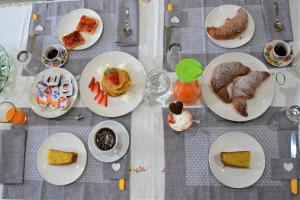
{"x":133,"y":38}
{"x":284,"y":17}
{"x":12,"y":153}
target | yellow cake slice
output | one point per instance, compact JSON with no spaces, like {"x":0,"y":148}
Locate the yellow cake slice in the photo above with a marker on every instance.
{"x":57,"y":157}
{"x":239,"y":159}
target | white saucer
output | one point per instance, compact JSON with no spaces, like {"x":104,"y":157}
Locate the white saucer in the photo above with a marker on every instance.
{"x":122,"y":145}
{"x":235,"y":177}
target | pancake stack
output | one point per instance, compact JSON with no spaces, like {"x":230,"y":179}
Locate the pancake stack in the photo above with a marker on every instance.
{"x":115,"y":90}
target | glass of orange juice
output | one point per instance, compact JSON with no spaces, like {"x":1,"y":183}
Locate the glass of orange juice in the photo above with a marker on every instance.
{"x":9,"y":113}
{"x":187,"y":87}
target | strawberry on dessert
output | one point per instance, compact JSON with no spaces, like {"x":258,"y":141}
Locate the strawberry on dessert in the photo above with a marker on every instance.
{"x":179,"y":119}
{"x":112,"y":75}
{"x":92,"y":83}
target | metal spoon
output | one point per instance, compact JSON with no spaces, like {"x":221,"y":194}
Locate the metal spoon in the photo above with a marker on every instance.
{"x":277,"y":25}
{"x":78,"y":117}
{"x":127,"y":30}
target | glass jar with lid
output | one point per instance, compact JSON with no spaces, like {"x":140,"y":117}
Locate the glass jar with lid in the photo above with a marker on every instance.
{"x":187,"y":87}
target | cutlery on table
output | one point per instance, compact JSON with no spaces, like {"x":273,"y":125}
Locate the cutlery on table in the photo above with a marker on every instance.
{"x":294,"y":182}
{"x":127,"y":29}
{"x":277,"y":25}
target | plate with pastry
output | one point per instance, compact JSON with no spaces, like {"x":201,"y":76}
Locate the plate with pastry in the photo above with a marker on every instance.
{"x":229,"y":26}
{"x":80,"y":29}
{"x":53,"y":92}
{"x":237,"y":87}
{"x":113,"y":84}
{"x":61,"y":158}
{"x":237,"y":160}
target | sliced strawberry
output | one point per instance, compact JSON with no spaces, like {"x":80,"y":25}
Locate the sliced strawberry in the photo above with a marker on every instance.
{"x":96,"y":87}
{"x":92,"y":83}
{"x":170,"y":119}
{"x":99,"y":96}
{"x":103,"y":101}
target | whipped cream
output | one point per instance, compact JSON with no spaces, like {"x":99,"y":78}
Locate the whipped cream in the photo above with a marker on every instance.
{"x":182,"y":121}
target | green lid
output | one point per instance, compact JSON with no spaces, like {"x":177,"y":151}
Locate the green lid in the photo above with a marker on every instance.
{"x":188,"y":70}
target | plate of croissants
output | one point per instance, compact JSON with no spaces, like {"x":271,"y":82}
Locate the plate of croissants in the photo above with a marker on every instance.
{"x":230,"y":26}
{"x":237,"y":87}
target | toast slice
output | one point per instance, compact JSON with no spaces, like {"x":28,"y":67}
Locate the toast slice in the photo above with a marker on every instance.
{"x":87,"y":24}
{"x":57,"y":157}
{"x":73,"y":40}
{"x":238,"y":159}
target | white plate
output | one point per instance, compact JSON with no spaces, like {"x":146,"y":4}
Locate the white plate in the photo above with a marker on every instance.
{"x":47,"y":112}
{"x":255,"y":106}
{"x":122,"y":145}
{"x":235,"y":177}
{"x":66,"y":174}
{"x":69,"y":22}
{"x":217,"y":18}
{"x":120,"y":105}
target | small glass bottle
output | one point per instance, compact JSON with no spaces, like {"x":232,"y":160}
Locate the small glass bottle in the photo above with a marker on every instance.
{"x":187,"y":87}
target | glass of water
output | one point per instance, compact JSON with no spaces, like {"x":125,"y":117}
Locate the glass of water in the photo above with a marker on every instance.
{"x":157,"y":84}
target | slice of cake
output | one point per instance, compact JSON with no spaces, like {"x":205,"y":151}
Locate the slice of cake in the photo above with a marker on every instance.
{"x":238,"y":159}
{"x":57,"y":157}
{"x":87,"y":24}
{"x":73,"y":40}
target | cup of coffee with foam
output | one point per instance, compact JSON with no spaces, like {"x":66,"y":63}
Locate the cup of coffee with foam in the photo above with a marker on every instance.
{"x":106,"y":140}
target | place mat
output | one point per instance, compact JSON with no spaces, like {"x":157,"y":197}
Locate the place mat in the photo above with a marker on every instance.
{"x":50,"y":15}
{"x":91,"y":184}
{"x":199,"y":46}
{"x":188,"y":175}
{"x":12,"y":152}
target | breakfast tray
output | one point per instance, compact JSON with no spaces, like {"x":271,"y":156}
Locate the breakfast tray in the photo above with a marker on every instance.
{"x":188,"y":175}
{"x":191,"y":35}
{"x":50,"y":15}
{"x":92,"y":184}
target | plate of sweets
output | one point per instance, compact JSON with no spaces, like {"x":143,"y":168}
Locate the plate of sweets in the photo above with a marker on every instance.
{"x":113,"y":84}
{"x":53,"y":92}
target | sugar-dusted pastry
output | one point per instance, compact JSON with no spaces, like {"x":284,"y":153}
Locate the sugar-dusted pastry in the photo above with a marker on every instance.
{"x":58,"y":157}
{"x":87,"y":24}
{"x":223,"y":75}
{"x":231,"y":27}
{"x":244,"y":88}
{"x":238,"y":159}
{"x":73,"y":40}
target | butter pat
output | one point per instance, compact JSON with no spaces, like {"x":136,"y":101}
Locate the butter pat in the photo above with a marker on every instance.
{"x":122,"y":184}
{"x":34,"y":16}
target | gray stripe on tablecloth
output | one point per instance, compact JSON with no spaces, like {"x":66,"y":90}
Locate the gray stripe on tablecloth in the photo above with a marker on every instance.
{"x":84,"y":191}
{"x":175,"y":160}
{"x":209,"y":3}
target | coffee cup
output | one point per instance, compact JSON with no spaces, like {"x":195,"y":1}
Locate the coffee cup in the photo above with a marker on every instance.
{"x":106,"y":140}
{"x":54,"y":56}
{"x":280,"y":50}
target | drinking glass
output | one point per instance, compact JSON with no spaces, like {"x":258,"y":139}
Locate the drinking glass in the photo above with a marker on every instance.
{"x":9,"y":113}
{"x":157,"y":84}
{"x":286,"y":118}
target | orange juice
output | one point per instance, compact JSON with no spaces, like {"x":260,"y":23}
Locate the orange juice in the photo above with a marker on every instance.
{"x":15,"y":116}
{"x":187,"y":92}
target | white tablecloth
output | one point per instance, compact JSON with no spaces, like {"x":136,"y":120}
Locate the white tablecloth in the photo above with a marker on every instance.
{"x":147,"y":145}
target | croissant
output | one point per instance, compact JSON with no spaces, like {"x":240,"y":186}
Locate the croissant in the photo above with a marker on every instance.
{"x":244,"y":88}
{"x":223,"y":75}
{"x":231,"y":28}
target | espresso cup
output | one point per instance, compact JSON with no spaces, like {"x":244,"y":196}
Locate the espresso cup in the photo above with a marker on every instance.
{"x":54,"y":56}
{"x":106,"y":140}
{"x":281,"y":50}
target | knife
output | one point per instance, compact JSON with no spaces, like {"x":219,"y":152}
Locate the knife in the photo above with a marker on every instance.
{"x":294,"y":182}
